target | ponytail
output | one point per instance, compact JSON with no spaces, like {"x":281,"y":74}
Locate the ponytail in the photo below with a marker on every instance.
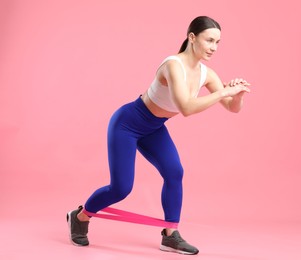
{"x":184,"y":46}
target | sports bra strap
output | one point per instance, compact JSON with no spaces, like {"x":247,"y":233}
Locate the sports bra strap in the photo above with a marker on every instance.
{"x":203,"y":68}
{"x":203,"y":74}
{"x":177,"y":59}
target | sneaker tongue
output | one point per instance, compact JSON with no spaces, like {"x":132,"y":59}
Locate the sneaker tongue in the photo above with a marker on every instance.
{"x":177,"y":236}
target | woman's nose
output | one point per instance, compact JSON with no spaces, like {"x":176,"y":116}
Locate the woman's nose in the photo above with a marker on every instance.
{"x":213,"y":47}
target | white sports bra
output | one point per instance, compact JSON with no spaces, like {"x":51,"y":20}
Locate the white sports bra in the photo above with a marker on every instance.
{"x":160,"y":95}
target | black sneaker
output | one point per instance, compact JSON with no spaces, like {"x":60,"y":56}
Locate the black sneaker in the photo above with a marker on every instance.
{"x":78,"y":229}
{"x":175,"y":243}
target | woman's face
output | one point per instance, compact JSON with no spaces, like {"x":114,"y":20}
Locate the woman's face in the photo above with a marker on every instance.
{"x":205,"y":43}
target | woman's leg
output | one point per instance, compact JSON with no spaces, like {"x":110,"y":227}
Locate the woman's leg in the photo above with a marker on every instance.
{"x":122,"y":145}
{"x":159,"y":149}
{"x":121,"y":154}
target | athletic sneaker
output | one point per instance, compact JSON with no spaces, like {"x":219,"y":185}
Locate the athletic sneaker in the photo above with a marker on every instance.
{"x":78,"y":229}
{"x":175,"y":243}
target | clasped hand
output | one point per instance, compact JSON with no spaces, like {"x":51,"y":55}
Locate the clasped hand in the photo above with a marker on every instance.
{"x":235,"y":87}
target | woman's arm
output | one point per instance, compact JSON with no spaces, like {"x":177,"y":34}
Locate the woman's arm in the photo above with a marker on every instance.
{"x":233,"y":103}
{"x":186,"y":104}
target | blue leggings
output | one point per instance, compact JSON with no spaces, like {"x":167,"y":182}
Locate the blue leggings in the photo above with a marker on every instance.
{"x":134,"y":127}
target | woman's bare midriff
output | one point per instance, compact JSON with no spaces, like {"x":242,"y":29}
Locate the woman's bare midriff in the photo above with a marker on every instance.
{"x":157,"y":111}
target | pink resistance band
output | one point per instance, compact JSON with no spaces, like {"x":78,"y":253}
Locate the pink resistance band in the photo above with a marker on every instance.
{"x":121,"y":215}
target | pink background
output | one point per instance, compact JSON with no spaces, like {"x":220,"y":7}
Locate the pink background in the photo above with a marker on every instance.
{"x":65,"y":66}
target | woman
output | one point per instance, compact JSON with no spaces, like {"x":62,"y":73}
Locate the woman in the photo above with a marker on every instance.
{"x":140,"y":125}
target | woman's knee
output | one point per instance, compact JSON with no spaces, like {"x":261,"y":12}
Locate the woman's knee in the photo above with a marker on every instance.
{"x":174,"y":172}
{"x":120,"y":192}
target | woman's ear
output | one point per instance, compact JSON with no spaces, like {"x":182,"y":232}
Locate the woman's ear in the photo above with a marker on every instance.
{"x":191,"y":37}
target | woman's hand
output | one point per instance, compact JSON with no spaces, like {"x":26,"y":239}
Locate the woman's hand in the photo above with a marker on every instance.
{"x":235,"y":87}
{"x":230,"y":94}
{"x":236,"y":81}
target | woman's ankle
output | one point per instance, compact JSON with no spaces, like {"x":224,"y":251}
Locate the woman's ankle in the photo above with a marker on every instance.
{"x":83,"y":217}
{"x":169,"y":231}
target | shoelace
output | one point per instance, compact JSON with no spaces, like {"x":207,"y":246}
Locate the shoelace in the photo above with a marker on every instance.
{"x":178,"y":238}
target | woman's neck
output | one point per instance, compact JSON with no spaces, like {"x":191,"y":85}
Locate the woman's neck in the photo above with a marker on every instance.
{"x":189,"y":59}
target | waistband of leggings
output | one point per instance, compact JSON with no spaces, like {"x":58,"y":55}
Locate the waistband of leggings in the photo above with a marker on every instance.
{"x":140,"y":104}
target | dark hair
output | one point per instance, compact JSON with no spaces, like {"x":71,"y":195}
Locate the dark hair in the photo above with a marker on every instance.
{"x":198,"y":25}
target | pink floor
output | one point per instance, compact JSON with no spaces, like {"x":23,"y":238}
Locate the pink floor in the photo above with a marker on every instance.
{"x":47,"y":238}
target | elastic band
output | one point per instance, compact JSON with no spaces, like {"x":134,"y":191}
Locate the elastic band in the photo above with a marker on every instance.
{"x":126,"y":216}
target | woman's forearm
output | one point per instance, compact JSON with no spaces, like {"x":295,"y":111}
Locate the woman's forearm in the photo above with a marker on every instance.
{"x":199,"y":104}
{"x":236,"y":103}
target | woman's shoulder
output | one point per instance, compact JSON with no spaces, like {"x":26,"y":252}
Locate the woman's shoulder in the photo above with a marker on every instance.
{"x":171,"y":65}
{"x":212,"y":76}
{"x":210,"y":71}
{"x":171,"y":60}
{"x":171,"y":57}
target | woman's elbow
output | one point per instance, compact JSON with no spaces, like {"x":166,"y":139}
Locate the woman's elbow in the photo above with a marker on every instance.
{"x":186,"y":111}
{"x":185,"y":114}
{"x":234,"y":110}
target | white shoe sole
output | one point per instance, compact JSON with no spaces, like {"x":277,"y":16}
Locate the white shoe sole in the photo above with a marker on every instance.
{"x":173,"y":250}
